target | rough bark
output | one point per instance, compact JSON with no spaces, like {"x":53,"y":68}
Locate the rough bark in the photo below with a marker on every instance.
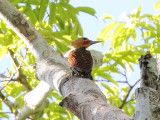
{"x":53,"y":69}
{"x":148,"y":96}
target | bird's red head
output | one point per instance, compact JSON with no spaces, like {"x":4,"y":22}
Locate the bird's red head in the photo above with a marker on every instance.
{"x":83,"y":42}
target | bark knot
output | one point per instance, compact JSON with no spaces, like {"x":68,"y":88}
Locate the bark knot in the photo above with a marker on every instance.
{"x":23,"y":26}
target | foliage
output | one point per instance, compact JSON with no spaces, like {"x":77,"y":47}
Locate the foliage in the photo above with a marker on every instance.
{"x":57,"y":21}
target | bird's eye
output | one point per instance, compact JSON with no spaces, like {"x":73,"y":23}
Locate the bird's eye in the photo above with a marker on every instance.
{"x":84,"y":38}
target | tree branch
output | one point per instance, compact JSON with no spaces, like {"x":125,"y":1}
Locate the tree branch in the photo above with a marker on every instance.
{"x":21,"y":77}
{"x":125,"y":99}
{"x":9,"y":103}
{"x":125,"y":76}
{"x":147,"y":95}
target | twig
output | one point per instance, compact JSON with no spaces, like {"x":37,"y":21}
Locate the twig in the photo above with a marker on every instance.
{"x":129,"y":101}
{"x":124,"y":100}
{"x":110,"y":81}
{"x":9,"y":80}
{"x":136,"y":82}
{"x":11,"y":77}
{"x":6,"y":113}
{"x":17,"y":69}
{"x":8,"y":103}
{"x":125,"y":76}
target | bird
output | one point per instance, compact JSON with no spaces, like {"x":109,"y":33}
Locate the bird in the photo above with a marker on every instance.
{"x":80,"y":59}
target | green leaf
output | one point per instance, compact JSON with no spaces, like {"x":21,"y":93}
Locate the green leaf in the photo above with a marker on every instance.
{"x":106,"y":76}
{"x":121,"y":62}
{"x":15,"y":2}
{"x":119,"y":28}
{"x":3,"y":115}
{"x":146,"y":26}
{"x":3,"y":51}
{"x":80,"y":31}
{"x":148,"y":34}
{"x":132,"y":110}
{"x":157,"y":6}
{"x":43,"y":7}
{"x":125,"y":108}
{"x":133,"y":96}
{"x":146,"y":16}
{"x":107,"y":16}
{"x":61,"y":44}
{"x":3,"y":26}
{"x":108,"y":88}
{"x":110,"y":68}
{"x":60,"y":22}
{"x":34,"y":2}
{"x":103,"y":34}
{"x":129,"y":109}
{"x":55,"y":94}
{"x":69,"y":7}
{"x":76,"y":30}
{"x":125,"y":91}
{"x":52,"y":17}
{"x":88,"y":10}
{"x":138,"y":11}
{"x":117,"y":43}
{"x":32,"y":16}
{"x":15,"y":92}
{"x":133,"y":35}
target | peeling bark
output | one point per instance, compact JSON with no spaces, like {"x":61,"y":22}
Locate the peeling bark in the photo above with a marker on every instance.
{"x":148,"y":96}
{"x":81,"y":96}
{"x":88,"y":107}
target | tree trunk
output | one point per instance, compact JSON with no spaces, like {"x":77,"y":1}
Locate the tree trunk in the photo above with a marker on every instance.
{"x":148,"y":96}
{"x":82,"y":96}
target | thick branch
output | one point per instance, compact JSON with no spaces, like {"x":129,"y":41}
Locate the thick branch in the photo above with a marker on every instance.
{"x":67,"y":85}
{"x":91,"y":108}
{"x":35,"y":101}
{"x":147,"y":96}
{"x":149,"y":71}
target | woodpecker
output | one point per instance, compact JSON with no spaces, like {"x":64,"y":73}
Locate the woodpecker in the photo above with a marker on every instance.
{"x":80,"y":59}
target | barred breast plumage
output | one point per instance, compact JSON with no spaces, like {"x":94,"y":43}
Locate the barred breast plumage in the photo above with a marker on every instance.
{"x":81,"y":60}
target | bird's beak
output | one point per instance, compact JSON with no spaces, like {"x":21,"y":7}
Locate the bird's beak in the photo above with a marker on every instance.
{"x":94,"y":42}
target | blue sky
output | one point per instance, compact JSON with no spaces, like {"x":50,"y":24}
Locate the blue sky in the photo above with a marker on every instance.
{"x":92,"y":26}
